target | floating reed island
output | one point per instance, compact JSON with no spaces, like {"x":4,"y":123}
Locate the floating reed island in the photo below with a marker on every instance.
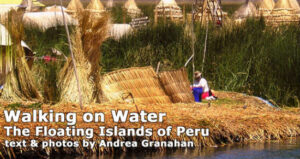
{"x":234,"y":118}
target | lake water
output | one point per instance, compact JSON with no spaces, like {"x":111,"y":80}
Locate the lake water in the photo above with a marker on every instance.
{"x":289,"y":149}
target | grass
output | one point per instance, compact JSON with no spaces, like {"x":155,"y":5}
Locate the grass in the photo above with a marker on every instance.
{"x":250,"y":58}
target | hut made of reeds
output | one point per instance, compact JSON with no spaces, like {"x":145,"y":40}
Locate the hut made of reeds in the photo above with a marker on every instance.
{"x":210,"y":11}
{"x":168,"y":9}
{"x":265,"y":7}
{"x":246,"y":10}
{"x":177,"y":85}
{"x":110,"y":3}
{"x":95,"y":6}
{"x":74,"y":6}
{"x":282,"y":13}
{"x":132,"y":9}
{"x":142,"y":83}
{"x":46,"y":20}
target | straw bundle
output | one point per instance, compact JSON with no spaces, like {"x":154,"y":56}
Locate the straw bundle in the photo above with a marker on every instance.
{"x":19,"y":83}
{"x":168,"y":9}
{"x":177,"y":85}
{"x":132,"y":9}
{"x":86,"y":40}
{"x":46,"y":20}
{"x":142,"y":83}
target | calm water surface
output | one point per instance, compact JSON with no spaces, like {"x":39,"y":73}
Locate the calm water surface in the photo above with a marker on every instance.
{"x":289,"y":149}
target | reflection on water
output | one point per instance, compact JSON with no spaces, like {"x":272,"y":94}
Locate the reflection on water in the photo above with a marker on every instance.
{"x":275,"y":150}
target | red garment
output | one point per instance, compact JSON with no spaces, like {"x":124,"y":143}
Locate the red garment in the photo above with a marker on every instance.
{"x":47,"y":58}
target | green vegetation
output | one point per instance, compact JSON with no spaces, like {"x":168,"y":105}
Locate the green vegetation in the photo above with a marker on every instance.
{"x":250,"y":58}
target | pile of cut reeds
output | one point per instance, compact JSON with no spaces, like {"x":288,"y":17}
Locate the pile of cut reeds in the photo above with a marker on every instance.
{"x":177,"y":85}
{"x":142,"y":83}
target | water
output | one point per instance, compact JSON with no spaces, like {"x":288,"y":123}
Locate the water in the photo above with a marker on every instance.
{"x":274,"y":150}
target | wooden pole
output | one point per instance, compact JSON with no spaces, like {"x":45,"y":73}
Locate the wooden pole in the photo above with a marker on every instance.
{"x":205,"y":46}
{"x":72,"y":56}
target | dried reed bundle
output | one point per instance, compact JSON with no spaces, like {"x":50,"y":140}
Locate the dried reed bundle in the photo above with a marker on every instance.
{"x":141,"y":82}
{"x":46,"y":20}
{"x":177,"y":85}
{"x":19,"y":83}
{"x":87,"y":39}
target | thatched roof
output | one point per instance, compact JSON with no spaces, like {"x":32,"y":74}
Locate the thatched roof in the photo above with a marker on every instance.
{"x":117,"y":31}
{"x":177,"y":85}
{"x":95,"y":6}
{"x":54,"y":8}
{"x":265,"y":7}
{"x":167,"y":4}
{"x":74,"y":6}
{"x":46,"y":20}
{"x":246,"y":10}
{"x":5,"y":38}
{"x":295,"y":5}
{"x":110,"y":3}
{"x":282,"y":13}
{"x":132,"y":9}
{"x":141,"y":82}
{"x":210,"y":9}
{"x":169,"y":9}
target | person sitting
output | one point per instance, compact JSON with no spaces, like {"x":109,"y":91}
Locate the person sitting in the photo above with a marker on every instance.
{"x":201,"y":89}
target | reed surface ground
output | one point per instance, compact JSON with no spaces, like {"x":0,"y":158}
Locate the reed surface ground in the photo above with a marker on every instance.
{"x":234,"y":117}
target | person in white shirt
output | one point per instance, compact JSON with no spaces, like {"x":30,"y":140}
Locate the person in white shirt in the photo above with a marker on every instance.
{"x":201,"y":82}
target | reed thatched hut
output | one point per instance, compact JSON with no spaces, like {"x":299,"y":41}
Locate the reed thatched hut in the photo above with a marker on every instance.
{"x":74,"y":7}
{"x":246,"y":10}
{"x":46,"y":20}
{"x":283,"y":13}
{"x":210,"y":11}
{"x":95,"y":6}
{"x":265,"y":7}
{"x":132,"y":9}
{"x":177,"y":85}
{"x":110,"y":3}
{"x":168,"y":9}
{"x":138,"y":84}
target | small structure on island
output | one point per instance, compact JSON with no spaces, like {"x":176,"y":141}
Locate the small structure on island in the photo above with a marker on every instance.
{"x":95,"y":6}
{"x":110,"y":3}
{"x":132,"y":9}
{"x":168,"y":9}
{"x":74,"y":7}
{"x":246,"y":10}
{"x":210,"y":10}
{"x":283,"y":13}
{"x":265,"y":7}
